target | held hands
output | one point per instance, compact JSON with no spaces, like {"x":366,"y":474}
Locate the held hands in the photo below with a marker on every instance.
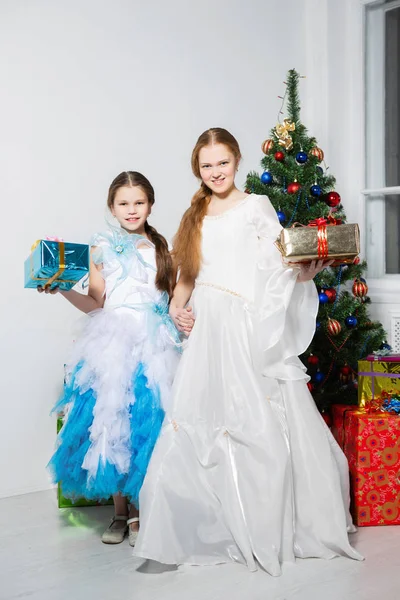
{"x":309,"y":271}
{"x":183,"y":319}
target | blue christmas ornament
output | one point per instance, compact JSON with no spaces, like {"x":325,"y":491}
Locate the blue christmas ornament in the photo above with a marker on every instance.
{"x":318,"y":324}
{"x":315,"y":190}
{"x":319,"y":170}
{"x":323,"y":298}
{"x":281,"y":216}
{"x":266,"y":177}
{"x":319,"y":377}
{"x":301,"y":158}
{"x":385,"y":346}
{"x":351,"y":321}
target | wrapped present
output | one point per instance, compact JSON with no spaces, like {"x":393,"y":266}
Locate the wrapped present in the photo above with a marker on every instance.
{"x":338,"y":414}
{"x":321,"y":239}
{"x":372,"y":447}
{"x":77,"y":502}
{"x":378,"y":375}
{"x":56,"y":263}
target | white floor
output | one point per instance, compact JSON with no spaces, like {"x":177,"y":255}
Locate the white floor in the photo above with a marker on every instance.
{"x":52,"y":554}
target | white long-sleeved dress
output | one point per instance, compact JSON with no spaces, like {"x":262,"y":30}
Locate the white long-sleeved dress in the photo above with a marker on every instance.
{"x":245,"y":468}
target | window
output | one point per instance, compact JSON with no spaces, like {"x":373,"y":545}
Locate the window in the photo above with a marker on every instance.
{"x":382,"y":193}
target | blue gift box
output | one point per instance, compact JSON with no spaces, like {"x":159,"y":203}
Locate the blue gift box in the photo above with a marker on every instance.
{"x":53,"y":264}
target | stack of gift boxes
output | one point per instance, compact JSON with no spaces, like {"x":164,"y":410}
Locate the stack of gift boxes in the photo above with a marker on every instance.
{"x":370,"y":438}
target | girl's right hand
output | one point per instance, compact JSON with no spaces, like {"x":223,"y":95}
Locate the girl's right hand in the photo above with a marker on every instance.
{"x":47,"y":290}
{"x":183,"y":319}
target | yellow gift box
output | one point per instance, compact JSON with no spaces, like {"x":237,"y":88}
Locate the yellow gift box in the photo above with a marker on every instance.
{"x":377,"y":375}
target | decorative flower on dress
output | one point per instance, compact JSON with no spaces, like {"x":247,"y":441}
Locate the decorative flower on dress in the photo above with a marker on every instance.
{"x":118,"y":250}
{"x":161,"y":309}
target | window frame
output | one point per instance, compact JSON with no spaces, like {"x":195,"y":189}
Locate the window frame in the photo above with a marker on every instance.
{"x":374,"y":128}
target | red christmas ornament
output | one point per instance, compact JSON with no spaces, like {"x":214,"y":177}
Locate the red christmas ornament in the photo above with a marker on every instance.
{"x":360,"y":288}
{"x":334,"y":327}
{"x":279,"y":156}
{"x":310,"y":386}
{"x":331,"y":293}
{"x":312,"y":359}
{"x":293,"y":188}
{"x":267,"y":146}
{"x":318,"y":153}
{"x":327,"y":418}
{"x":346,"y":374}
{"x":356,"y":261}
{"x":332,"y":199}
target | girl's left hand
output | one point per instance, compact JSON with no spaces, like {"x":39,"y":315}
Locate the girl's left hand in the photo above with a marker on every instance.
{"x":309,"y":271}
{"x":47,"y":290}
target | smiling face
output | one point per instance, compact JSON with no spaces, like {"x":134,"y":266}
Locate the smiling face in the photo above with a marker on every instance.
{"x":131,"y":208}
{"x":217,"y":166}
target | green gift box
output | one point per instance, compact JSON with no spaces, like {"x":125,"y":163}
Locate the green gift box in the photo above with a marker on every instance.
{"x":64,"y":502}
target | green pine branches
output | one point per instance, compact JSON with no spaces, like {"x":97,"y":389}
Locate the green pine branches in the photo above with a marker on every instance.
{"x":292,"y":156}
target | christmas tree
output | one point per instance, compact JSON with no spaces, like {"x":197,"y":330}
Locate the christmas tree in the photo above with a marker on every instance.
{"x":301,"y":190}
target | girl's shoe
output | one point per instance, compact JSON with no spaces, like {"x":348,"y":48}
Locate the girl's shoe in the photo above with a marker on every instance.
{"x":115,"y":533}
{"x":132,"y":534}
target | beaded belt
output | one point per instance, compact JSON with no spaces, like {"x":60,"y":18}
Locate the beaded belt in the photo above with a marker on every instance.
{"x":221,"y":289}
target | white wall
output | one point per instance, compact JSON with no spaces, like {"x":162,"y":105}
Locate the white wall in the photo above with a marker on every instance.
{"x":91,"y":88}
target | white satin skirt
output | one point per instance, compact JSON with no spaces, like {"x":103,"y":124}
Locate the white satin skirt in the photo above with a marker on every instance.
{"x":245,"y":468}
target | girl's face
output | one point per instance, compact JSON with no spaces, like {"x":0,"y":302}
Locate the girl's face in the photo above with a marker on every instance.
{"x":217,"y":168}
{"x":131,"y":209}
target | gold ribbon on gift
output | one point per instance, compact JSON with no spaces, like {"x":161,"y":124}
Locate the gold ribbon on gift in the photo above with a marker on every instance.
{"x":46,"y":282}
{"x":282,"y":133}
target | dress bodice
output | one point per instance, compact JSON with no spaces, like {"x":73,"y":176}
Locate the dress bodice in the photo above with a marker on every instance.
{"x":128,"y":266}
{"x":232,"y":244}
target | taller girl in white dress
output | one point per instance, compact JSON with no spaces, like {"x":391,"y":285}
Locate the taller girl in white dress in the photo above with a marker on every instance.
{"x":245,"y":468}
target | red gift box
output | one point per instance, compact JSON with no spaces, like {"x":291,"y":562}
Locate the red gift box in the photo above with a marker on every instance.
{"x":372,"y":448}
{"x":338,"y":414}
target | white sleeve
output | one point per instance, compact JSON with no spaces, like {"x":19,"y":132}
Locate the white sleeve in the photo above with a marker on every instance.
{"x":287,"y":309}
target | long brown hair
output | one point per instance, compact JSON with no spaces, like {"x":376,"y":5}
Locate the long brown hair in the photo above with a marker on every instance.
{"x":165,"y":279}
{"x":187,"y":242}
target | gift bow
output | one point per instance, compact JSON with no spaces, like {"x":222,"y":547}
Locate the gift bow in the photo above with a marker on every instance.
{"x":282,"y":133}
{"x":329,"y":220}
{"x":322,"y":223}
{"x":386,"y":403}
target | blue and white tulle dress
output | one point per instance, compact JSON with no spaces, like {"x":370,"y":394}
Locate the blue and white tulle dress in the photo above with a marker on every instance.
{"x":118,"y":378}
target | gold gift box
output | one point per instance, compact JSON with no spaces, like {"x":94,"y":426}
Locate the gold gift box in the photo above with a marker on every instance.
{"x":375,"y":377}
{"x":300,"y":244}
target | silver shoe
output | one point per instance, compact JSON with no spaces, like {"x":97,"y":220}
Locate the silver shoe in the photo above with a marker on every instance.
{"x":115,"y":535}
{"x":132,"y":534}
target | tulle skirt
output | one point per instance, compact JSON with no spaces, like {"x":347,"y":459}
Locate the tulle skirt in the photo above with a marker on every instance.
{"x":118,"y":383}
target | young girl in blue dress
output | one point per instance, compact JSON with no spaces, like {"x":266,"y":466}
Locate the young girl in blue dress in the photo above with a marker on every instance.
{"x":121,"y":369}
